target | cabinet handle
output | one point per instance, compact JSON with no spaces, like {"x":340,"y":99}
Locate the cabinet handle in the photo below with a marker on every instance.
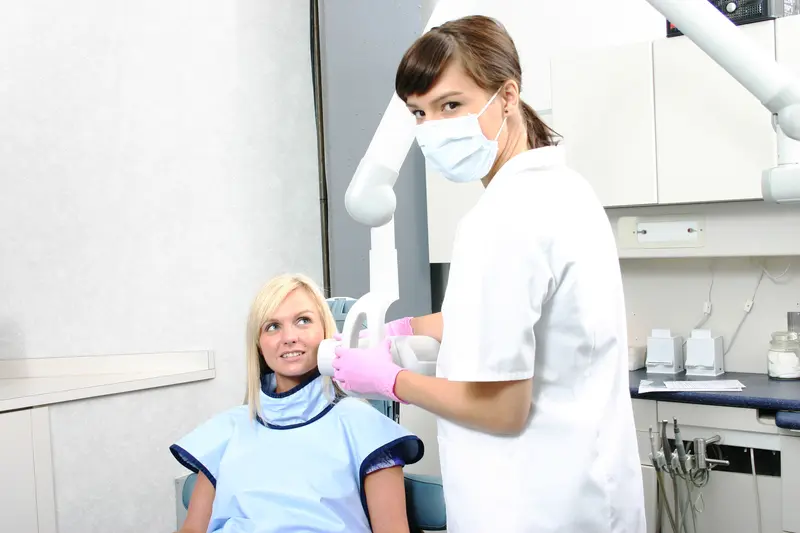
{"x":765,"y":418}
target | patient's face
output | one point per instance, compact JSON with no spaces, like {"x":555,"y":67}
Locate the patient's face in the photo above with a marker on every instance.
{"x":290,"y":337}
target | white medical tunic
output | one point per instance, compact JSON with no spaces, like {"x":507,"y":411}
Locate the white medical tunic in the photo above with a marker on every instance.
{"x":535,"y":290}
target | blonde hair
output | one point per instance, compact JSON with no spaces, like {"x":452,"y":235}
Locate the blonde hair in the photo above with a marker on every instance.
{"x":266,"y":302}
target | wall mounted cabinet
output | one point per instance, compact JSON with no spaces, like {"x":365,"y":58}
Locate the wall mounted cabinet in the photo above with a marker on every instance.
{"x":713,"y":137}
{"x":661,"y":122}
{"x":787,"y":41}
{"x":447,"y":203}
{"x":653,"y":125}
{"x":603,"y":107}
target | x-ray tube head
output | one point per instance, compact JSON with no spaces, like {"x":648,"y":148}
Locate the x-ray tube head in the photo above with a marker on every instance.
{"x":370,"y":198}
{"x":415,"y":353}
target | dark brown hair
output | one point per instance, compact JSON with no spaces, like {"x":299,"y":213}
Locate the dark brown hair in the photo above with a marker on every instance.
{"x":486,"y":52}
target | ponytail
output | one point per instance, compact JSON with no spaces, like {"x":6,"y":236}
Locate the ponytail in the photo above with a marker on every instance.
{"x":539,"y":133}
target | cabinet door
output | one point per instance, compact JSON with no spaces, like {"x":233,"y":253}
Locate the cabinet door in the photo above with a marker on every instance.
{"x":603,"y":107}
{"x":790,"y":481}
{"x":18,"y":489}
{"x":713,"y":137}
{"x":447,"y":202}
{"x":645,"y":417}
{"x":650,"y":498}
{"x":787,"y":38}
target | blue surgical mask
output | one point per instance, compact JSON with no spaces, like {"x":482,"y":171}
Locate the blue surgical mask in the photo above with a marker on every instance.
{"x":457,"y":148}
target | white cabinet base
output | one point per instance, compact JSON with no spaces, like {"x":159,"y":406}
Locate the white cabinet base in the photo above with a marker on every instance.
{"x":27,"y":502}
{"x":728,"y":504}
{"x":18,"y":489}
{"x":650,"y":497}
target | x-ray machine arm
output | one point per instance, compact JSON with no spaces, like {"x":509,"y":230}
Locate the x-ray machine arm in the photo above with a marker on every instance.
{"x":370,"y":198}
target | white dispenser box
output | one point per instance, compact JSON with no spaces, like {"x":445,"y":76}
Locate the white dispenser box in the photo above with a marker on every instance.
{"x":664,"y":352}
{"x":704,"y":354}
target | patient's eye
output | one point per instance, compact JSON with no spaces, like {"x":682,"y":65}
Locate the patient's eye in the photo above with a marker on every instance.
{"x":270,"y":327}
{"x":304,"y":320}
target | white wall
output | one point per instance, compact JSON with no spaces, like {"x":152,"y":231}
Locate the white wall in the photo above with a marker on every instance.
{"x":157,"y":165}
{"x":670,"y":293}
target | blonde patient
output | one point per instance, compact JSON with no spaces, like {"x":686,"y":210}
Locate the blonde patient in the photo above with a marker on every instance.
{"x":300,"y":455}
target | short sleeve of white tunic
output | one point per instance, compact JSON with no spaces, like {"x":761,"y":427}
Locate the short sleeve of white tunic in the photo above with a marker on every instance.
{"x":500,"y":277}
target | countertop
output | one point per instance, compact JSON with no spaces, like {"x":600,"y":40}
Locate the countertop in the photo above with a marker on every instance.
{"x":759,"y":392}
{"x":28,"y":383}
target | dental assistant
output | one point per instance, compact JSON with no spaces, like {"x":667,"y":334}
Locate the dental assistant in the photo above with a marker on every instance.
{"x":535,"y":422}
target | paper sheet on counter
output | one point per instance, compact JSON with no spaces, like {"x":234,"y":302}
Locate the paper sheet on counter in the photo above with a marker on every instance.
{"x":722,"y":385}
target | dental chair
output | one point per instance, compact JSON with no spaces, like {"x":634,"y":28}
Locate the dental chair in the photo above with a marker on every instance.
{"x":424,"y":495}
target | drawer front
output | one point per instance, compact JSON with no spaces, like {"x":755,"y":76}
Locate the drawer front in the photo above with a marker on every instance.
{"x":711,"y":416}
{"x":645,"y":416}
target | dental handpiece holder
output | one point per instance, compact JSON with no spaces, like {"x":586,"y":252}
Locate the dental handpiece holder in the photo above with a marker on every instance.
{"x":678,"y":461}
{"x":704,"y":354}
{"x":664,"y":353}
{"x":702,"y":461}
{"x":416,"y":353}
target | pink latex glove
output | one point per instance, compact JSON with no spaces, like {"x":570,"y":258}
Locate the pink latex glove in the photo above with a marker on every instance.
{"x":396,"y":328}
{"x":367,"y":370}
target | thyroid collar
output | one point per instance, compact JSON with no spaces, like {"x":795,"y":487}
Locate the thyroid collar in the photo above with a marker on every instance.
{"x":296,"y":407}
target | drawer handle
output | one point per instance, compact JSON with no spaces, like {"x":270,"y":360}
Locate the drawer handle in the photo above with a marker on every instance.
{"x":765,"y":418}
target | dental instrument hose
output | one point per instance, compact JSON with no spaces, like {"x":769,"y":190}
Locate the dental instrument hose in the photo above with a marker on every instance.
{"x":691,"y":505}
{"x":681,"y":451}
{"x":667,"y":450}
{"x":657,"y":458}
{"x":679,"y":447}
{"x":662,"y":491}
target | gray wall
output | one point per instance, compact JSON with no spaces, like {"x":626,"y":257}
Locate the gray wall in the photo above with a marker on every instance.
{"x":362,"y":43}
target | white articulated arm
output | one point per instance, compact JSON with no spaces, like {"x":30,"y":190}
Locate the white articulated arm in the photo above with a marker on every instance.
{"x":370,"y":200}
{"x":775,"y":86}
{"x":370,"y":197}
